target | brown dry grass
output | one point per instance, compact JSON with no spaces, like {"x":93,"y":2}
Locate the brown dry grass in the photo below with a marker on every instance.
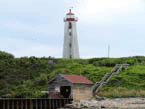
{"x":122,"y":93}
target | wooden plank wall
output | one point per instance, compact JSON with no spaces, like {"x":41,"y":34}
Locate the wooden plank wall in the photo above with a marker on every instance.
{"x":33,"y":103}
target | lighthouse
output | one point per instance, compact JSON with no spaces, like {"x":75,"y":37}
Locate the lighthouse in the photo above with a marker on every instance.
{"x":70,"y":46}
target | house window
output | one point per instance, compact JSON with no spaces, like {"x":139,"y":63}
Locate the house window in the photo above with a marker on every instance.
{"x":57,"y":89}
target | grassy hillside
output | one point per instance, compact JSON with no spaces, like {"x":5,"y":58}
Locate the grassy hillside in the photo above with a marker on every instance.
{"x":27,"y":77}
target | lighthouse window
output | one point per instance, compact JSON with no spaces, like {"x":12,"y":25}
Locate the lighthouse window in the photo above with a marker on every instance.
{"x":70,"y":44}
{"x":70,"y":33}
{"x":70,"y":25}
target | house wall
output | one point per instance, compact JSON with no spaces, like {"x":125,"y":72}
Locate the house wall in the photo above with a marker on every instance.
{"x":82,"y":91}
{"x":78,"y":91}
{"x":54,"y":86}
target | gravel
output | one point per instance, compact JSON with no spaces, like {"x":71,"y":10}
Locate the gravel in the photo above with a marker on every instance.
{"x":117,"y":103}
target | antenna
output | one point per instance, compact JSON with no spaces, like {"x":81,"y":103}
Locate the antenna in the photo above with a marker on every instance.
{"x":74,"y":3}
{"x":71,"y":7}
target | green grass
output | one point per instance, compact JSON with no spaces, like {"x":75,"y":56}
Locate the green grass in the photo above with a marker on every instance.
{"x":28,"y":76}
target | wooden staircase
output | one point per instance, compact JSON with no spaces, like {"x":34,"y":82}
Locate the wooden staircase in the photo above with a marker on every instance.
{"x":116,"y":70}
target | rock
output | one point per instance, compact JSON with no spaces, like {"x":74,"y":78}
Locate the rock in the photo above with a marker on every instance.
{"x":85,"y":107}
{"x":99,"y":98}
{"x":94,"y":107}
{"x":103,"y":107}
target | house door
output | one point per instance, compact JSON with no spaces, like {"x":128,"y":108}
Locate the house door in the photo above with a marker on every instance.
{"x":65,"y":91}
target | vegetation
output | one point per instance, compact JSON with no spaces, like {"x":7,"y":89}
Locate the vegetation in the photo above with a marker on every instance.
{"x":27,"y":77}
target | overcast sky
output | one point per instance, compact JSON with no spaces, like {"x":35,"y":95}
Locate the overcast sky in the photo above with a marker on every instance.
{"x":36,"y":27}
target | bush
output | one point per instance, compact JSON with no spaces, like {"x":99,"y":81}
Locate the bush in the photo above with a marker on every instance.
{"x":42,"y":80}
{"x":5,"y":55}
{"x":35,"y":72}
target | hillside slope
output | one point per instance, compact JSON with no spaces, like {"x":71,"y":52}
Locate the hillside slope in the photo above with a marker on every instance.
{"x":27,"y":77}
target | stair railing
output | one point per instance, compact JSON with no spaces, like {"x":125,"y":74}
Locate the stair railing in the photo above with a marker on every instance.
{"x":116,"y":70}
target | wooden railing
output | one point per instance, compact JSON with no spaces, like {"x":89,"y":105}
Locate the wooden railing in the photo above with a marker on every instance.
{"x":116,"y":70}
{"x":33,"y":103}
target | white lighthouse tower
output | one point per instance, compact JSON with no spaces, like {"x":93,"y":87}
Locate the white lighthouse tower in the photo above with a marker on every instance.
{"x":70,"y":46}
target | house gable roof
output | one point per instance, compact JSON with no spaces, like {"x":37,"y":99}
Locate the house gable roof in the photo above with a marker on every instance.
{"x":77,"y":79}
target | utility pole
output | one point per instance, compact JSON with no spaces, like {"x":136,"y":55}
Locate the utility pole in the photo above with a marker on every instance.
{"x":108,"y":51}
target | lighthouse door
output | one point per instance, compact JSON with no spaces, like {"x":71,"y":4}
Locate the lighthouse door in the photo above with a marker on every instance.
{"x":65,"y":91}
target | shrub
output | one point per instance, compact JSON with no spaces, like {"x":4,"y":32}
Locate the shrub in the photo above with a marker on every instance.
{"x":5,"y":55}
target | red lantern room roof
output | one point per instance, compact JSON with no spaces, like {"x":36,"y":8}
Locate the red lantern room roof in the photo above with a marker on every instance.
{"x":70,"y":13}
{"x":70,"y":18}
